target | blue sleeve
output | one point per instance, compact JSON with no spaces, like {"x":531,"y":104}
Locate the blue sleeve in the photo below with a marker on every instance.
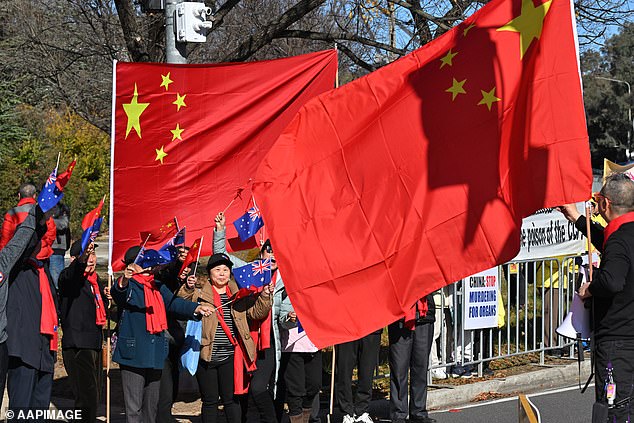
{"x":181,"y":308}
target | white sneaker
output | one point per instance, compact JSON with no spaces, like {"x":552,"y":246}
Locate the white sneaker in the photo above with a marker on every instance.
{"x":364,"y":418}
{"x":438,"y":374}
{"x":348,"y":419}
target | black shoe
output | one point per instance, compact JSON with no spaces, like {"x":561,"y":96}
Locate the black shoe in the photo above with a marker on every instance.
{"x":422,"y":420}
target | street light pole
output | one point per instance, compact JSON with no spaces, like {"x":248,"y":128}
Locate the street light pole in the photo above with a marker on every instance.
{"x":175,"y":52}
{"x":630,"y":123}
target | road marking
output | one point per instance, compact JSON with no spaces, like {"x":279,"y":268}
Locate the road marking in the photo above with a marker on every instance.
{"x":513,"y":398}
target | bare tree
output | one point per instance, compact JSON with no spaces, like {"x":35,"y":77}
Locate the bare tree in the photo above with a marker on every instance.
{"x":61,"y":51}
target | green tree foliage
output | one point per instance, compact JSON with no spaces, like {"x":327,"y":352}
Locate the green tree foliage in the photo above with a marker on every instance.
{"x":31,"y":142}
{"x":606,"y":75}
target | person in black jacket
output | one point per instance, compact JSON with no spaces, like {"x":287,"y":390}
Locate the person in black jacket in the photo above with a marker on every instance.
{"x":32,"y":330}
{"x":83,"y":317}
{"x":410,"y":345}
{"x":612,"y":293}
{"x":25,"y":238}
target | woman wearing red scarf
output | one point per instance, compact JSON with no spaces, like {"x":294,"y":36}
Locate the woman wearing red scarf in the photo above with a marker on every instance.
{"x":141,"y":345}
{"x":83,"y":317}
{"x":227,"y":348}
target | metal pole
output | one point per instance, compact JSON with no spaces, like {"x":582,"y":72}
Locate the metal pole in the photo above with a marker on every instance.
{"x":630,"y":123}
{"x":175,"y":52}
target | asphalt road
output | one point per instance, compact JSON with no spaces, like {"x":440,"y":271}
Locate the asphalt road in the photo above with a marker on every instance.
{"x":564,"y":405}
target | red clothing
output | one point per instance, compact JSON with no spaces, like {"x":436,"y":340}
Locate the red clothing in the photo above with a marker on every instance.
{"x":16,"y":216}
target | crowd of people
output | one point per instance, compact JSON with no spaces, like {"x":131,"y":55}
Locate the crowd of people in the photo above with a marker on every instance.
{"x":253,"y":349}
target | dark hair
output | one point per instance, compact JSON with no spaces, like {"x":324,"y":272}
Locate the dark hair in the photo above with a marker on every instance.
{"x":619,"y":189}
{"x":27,"y":190}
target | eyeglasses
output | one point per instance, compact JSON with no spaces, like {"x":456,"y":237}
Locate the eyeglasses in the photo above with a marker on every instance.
{"x":268,"y":250}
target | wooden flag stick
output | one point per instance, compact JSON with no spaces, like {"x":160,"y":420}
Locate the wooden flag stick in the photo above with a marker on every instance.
{"x":59,"y":155}
{"x":589,"y":239}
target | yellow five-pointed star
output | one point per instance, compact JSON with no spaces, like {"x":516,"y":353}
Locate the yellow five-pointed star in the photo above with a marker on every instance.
{"x":466,"y":30}
{"x":529,"y":23}
{"x":176,"y":133}
{"x":488,"y":98}
{"x":160,"y":154}
{"x":180,"y":101}
{"x":133,"y":111}
{"x":447,"y":59}
{"x":166,"y":81}
{"x":456,"y":88}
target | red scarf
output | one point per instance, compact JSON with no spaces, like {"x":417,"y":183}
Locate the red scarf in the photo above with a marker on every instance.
{"x":615,"y":224}
{"x":48,"y":318}
{"x":155,"y":318}
{"x":410,"y":316}
{"x":242,"y":366}
{"x":100,"y":311}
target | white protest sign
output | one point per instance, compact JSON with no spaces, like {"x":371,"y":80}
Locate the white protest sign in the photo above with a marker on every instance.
{"x":548,"y":233}
{"x":481,"y":300}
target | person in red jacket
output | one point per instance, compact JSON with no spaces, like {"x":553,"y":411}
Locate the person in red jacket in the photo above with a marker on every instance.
{"x":16,"y":215}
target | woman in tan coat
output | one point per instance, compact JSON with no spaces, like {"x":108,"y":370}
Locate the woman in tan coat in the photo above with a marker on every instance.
{"x":227,"y":347}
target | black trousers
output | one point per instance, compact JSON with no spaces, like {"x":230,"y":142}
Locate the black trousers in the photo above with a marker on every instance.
{"x":168,"y":390}
{"x":84,"y":368}
{"x":409,"y":353}
{"x":215,"y":379}
{"x":4,"y":366}
{"x":363,"y":353}
{"x":621,"y":355}
{"x":302,"y":375}
{"x":261,"y":386}
{"x":28,"y":386}
{"x":140,"y":393}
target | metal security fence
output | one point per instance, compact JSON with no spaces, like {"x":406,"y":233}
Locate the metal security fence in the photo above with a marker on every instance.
{"x":536,"y":296}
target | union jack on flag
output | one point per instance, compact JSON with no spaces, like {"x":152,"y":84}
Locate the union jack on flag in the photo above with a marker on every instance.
{"x":260,"y":266}
{"x":254,"y":274}
{"x":254,"y":213}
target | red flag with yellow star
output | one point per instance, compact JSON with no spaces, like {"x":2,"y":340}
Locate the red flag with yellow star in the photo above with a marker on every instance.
{"x":419,"y":174}
{"x":187,"y":138}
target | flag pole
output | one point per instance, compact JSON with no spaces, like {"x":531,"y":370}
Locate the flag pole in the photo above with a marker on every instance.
{"x":108,"y":347}
{"x":589,"y":240}
{"x":200,"y":247}
{"x":59,"y":155}
{"x":332,"y":383}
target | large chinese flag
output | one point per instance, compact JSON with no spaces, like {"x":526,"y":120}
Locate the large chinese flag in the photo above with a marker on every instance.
{"x":419,"y":174}
{"x":189,"y":137}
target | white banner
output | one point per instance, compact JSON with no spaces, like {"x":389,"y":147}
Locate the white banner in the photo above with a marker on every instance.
{"x":481,"y":300}
{"x":548,"y":233}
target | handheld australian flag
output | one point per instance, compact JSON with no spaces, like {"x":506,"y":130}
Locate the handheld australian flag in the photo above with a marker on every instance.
{"x":254,"y":274}
{"x":51,"y":194}
{"x":91,"y":224}
{"x":148,"y":257}
{"x":249,"y":223}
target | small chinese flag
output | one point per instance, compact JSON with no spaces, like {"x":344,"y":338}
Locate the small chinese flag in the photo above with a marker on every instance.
{"x":419,"y":174}
{"x":192,"y":254}
{"x":159,"y":236}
